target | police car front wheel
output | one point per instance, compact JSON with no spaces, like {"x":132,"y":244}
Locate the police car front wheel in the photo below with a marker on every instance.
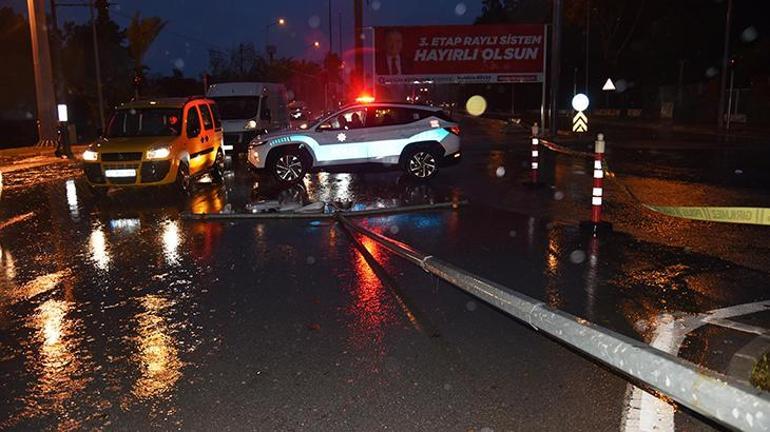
{"x":288,"y":167}
{"x":421,"y":164}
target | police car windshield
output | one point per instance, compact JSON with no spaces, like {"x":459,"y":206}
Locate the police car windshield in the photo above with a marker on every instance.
{"x":133,"y":122}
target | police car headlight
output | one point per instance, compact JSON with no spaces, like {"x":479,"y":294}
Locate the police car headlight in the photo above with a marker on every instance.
{"x":250,"y":125}
{"x":159,"y":152}
{"x":90,"y":155}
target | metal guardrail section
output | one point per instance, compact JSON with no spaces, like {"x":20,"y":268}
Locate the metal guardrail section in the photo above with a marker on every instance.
{"x":708,"y":393}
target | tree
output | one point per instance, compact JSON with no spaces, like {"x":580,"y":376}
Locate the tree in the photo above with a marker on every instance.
{"x":141,"y":32}
{"x":613,"y":21}
{"x":513,"y":12}
{"x":80,"y":75}
{"x":16,"y":75}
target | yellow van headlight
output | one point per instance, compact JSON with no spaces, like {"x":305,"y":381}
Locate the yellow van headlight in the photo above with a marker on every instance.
{"x":90,"y":155}
{"x":159,"y":152}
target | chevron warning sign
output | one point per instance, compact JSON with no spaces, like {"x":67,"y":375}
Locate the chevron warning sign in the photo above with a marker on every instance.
{"x":580,"y":122}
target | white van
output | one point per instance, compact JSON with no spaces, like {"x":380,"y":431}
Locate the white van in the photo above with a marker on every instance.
{"x":248,"y":109}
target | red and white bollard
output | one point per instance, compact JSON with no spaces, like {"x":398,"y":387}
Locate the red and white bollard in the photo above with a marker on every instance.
{"x":534,"y":165}
{"x":597,"y":193}
{"x":598,"y":190}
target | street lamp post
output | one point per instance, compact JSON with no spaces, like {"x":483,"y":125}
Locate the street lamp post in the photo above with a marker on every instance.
{"x":555,"y":64}
{"x":98,"y":66}
{"x":268,"y":51}
{"x":725,"y":59}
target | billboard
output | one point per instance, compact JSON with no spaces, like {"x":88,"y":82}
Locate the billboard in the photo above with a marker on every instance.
{"x":459,"y":54}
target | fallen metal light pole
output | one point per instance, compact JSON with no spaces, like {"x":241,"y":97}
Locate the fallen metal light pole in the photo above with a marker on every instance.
{"x":291,"y":215}
{"x":716,"y":397}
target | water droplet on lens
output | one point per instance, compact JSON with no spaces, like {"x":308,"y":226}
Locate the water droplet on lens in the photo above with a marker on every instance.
{"x":471,"y":305}
{"x":476,"y":105}
{"x":314,"y":21}
{"x":577,"y":256}
{"x":739,"y":171}
{"x":460,"y":9}
{"x":376,"y":5}
{"x":558,"y":195}
{"x":750,"y":34}
{"x":512,"y":233}
{"x":500,"y":171}
{"x":311,"y":260}
{"x":393,"y":229}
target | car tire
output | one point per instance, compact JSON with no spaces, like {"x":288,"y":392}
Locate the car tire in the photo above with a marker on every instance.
{"x":288,"y":166}
{"x":184,"y":182}
{"x":421,"y":163}
{"x":218,"y":169}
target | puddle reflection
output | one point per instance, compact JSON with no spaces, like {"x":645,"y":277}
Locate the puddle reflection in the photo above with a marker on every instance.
{"x":171,"y":242}
{"x":554,"y":249}
{"x":97,"y":244}
{"x":72,"y":200}
{"x":157,"y":355}
{"x":125,"y":225}
{"x":56,"y":358}
{"x":370,"y":311}
{"x":8,"y":265}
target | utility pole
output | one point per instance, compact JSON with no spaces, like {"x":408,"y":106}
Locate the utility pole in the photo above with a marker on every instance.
{"x":588,"y":40}
{"x":725,"y":59}
{"x":44,"y":88}
{"x":98,"y":66}
{"x":358,"y":11}
{"x":330,"y":27}
{"x":555,"y":64}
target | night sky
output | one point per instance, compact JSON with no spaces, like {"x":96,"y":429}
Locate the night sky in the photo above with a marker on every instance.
{"x":195,"y":26}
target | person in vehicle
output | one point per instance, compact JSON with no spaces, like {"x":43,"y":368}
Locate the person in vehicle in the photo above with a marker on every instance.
{"x":342,"y":121}
{"x":355,"y":122}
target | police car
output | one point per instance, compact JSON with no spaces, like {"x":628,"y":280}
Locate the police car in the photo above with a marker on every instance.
{"x":418,"y":139}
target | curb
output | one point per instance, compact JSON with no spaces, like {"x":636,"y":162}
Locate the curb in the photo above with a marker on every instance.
{"x":743,"y":361}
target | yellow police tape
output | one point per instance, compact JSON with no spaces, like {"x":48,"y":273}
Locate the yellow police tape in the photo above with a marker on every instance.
{"x":741,"y":215}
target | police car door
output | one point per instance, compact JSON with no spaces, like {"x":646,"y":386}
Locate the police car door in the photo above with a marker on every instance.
{"x":342,"y":139}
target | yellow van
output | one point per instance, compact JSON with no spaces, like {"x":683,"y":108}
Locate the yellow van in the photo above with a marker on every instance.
{"x":158,"y":142}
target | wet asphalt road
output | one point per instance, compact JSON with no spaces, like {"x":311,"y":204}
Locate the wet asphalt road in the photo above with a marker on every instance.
{"x":121,"y":315}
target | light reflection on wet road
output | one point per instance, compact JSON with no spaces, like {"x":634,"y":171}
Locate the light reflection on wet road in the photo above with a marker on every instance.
{"x":119,"y":314}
